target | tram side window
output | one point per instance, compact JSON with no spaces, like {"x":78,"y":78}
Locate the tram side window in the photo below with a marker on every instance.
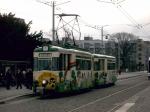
{"x":35,"y":64}
{"x":87,"y":65}
{"x":102,"y":64}
{"x":55,"y":63}
{"x":62,"y":61}
{"x":68,"y":61}
{"x":97,"y":65}
{"x":78,"y":64}
{"x":111,"y":66}
{"x":83,"y":64}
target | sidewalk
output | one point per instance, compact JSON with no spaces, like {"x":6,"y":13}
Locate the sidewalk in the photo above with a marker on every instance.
{"x":141,"y":101}
{"x":12,"y":93}
{"x":6,"y":95}
{"x":126,"y":75}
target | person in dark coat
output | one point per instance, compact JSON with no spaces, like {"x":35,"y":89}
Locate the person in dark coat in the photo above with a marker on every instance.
{"x":19,"y":79}
{"x":119,"y":71}
{"x":8,"y":78}
{"x":29,"y":78}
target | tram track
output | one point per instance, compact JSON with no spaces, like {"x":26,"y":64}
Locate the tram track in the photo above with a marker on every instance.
{"x":100,"y":99}
{"x":86,"y":101}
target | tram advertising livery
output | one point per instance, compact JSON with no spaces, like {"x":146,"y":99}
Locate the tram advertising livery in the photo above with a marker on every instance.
{"x":63,"y":70}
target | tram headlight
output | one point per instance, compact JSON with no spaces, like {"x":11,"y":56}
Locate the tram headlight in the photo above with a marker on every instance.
{"x":44,"y":82}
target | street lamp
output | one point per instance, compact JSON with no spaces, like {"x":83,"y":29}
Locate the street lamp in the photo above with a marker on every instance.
{"x":102,"y":35}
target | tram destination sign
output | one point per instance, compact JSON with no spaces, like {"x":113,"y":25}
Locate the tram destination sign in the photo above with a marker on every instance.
{"x":45,"y":55}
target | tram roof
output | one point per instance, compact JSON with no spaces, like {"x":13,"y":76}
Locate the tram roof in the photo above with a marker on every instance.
{"x":60,"y":49}
{"x":51,"y":48}
{"x":103,"y":56}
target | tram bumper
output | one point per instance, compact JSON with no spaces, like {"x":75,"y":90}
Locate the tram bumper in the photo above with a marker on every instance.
{"x":43,"y":89}
{"x":45,"y":82}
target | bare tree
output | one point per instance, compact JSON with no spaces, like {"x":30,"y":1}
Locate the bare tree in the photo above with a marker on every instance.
{"x":122,"y":45}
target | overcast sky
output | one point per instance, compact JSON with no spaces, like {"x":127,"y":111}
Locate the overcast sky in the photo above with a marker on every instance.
{"x":91,"y":12}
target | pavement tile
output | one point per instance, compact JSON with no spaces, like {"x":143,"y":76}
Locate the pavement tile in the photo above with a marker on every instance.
{"x":13,"y":92}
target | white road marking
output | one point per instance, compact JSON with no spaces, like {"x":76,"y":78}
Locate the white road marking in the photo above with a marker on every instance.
{"x":100,"y":99}
{"x":133,"y":99}
{"x":125,"y":107}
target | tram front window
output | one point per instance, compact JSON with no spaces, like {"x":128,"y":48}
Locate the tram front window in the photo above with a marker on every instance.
{"x":45,"y":64}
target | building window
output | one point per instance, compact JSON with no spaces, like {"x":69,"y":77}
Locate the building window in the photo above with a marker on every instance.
{"x":140,"y":45}
{"x":86,"y":45}
{"x":140,"y":54}
{"x":140,"y":49}
{"x":97,"y":45}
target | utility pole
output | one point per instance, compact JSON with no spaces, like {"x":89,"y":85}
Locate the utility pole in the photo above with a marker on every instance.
{"x":102,"y":39}
{"x":53,"y":5}
{"x":102,"y":34}
{"x":118,"y":55}
{"x":53,"y":21}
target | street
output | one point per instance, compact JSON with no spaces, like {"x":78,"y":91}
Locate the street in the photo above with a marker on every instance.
{"x":110,"y":99}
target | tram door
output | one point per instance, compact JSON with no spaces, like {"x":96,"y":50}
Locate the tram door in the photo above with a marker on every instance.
{"x":103,"y":65}
{"x":65,"y":61}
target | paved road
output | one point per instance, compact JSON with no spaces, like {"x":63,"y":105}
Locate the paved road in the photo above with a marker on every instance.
{"x":99,"y":100}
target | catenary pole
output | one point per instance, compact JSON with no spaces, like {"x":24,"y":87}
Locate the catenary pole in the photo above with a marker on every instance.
{"x":53,"y":21}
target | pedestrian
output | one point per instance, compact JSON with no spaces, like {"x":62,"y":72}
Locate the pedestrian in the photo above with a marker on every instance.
{"x":1,"y":77}
{"x":119,"y":71}
{"x":24,"y":77}
{"x":29,"y":78}
{"x":8,"y":78}
{"x":19,"y":79}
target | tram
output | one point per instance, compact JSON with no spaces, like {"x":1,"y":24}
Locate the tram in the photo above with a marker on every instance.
{"x":59,"y":69}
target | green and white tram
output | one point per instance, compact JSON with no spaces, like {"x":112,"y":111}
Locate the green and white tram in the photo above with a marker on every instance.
{"x":104,"y":69}
{"x":111,"y":70}
{"x":64,"y":70}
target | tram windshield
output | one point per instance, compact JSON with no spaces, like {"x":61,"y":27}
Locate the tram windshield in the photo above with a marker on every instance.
{"x":46,"y":64}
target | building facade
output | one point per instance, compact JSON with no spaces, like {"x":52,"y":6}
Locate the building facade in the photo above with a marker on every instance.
{"x":137,"y":58}
{"x":142,"y":54}
{"x":93,"y":46}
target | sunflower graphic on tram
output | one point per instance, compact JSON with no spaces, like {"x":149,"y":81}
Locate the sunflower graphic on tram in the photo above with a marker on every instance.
{"x":60,"y":69}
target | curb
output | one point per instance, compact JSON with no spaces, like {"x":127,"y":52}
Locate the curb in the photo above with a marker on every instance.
{"x":3,"y":101}
{"x":129,"y":77}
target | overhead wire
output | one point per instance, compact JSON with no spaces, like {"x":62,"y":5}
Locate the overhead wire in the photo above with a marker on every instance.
{"x":131,"y":19}
{"x":124,"y":12}
{"x":127,"y":15}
